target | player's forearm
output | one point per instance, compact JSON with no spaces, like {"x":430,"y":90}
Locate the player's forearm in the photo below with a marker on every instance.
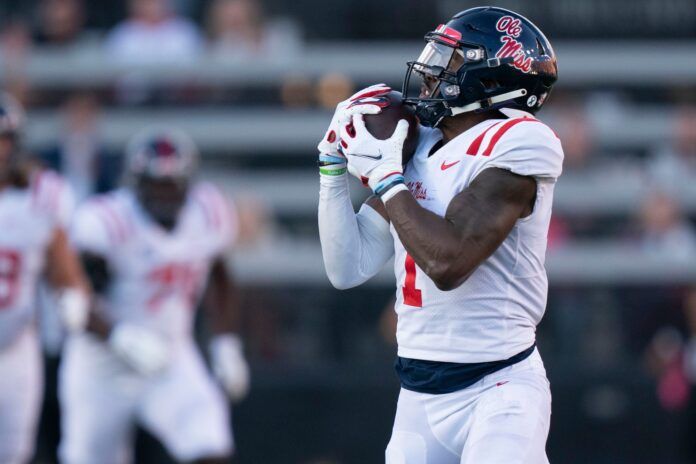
{"x":222,"y":301}
{"x":447,"y":252}
{"x":73,"y":296}
{"x":63,"y":269}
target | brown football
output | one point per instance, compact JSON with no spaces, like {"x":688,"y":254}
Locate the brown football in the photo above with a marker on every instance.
{"x":383,"y":124}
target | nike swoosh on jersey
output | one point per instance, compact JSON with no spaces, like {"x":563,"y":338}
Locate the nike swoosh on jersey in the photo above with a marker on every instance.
{"x":372,"y":157}
{"x":444,"y":165}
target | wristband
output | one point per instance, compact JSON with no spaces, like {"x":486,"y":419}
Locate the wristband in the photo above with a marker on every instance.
{"x":387,"y":182}
{"x":327,"y":160}
{"x":331,"y":165}
{"x":389,"y":194}
{"x":335,"y":170}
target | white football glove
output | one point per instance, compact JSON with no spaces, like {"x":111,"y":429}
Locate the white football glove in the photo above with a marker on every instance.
{"x":142,"y":349}
{"x":378,"y":161}
{"x":331,"y":161}
{"x":73,"y":308}
{"x":229,"y":365}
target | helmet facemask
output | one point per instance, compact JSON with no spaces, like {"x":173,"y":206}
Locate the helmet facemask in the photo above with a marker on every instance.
{"x":162,"y":198}
{"x":445,"y":67}
{"x":437,"y":69}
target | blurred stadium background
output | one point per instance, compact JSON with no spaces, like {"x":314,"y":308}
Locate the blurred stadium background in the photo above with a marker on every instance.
{"x":255,"y":81}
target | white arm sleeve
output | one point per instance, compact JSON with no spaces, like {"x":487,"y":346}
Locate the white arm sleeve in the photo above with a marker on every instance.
{"x":355,"y":246}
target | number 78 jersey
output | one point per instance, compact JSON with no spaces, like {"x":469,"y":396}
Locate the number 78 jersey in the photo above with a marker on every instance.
{"x":494,"y":313}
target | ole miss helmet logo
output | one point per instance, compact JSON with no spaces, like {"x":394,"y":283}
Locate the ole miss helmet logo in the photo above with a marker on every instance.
{"x":511,"y":47}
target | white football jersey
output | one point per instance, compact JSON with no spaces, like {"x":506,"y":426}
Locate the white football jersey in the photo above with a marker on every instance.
{"x":29,"y":218}
{"x":157,"y":277}
{"x":493,"y":315}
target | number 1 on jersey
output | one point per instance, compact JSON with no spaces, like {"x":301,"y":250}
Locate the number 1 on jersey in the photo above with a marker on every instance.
{"x":412,"y":296}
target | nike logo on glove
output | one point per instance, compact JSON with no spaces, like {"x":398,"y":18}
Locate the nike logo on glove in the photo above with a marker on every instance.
{"x":372,"y":157}
{"x":444,"y":165}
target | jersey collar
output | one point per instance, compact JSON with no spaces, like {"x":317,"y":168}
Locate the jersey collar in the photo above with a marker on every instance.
{"x":512,"y":113}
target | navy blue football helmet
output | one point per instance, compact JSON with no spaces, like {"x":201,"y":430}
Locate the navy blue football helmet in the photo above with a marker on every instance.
{"x":161,"y":163}
{"x":483,"y":58}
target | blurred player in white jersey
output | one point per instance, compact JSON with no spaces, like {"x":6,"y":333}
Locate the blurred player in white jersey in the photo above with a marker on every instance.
{"x":152,"y":251}
{"x":35,"y":207}
{"x":466,"y":219}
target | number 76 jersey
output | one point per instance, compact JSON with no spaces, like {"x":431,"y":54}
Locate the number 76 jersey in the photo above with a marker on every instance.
{"x":156,"y":277}
{"x":493,"y":315}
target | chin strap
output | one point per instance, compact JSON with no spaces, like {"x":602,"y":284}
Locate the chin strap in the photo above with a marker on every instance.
{"x":488,"y":102}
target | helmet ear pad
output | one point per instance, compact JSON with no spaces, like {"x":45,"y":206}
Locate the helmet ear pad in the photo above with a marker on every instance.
{"x":472,"y":83}
{"x":477,"y":83}
{"x":482,"y":82}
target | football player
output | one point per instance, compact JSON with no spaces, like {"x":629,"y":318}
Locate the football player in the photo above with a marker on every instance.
{"x":152,"y":250}
{"x":466,"y":220}
{"x":35,"y":207}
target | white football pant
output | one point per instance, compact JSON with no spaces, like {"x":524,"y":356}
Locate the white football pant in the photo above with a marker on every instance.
{"x":502,"y":419}
{"x":102,"y":399}
{"x":20,"y":397}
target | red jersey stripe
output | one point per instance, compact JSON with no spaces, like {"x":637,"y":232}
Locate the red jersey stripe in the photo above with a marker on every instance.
{"x":46,"y":191}
{"x":217,"y":207}
{"x":206,"y":198}
{"x":36,"y":188}
{"x":206,"y":211}
{"x":119,"y":226}
{"x":107,"y":220}
{"x":476,"y":144}
{"x":223,"y":208}
{"x":53,"y":193}
{"x":506,"y":127}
